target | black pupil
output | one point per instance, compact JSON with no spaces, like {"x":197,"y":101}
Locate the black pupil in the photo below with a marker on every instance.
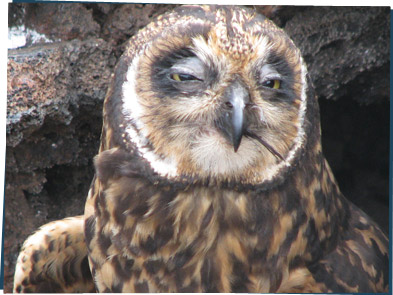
{"x":269,"y":83}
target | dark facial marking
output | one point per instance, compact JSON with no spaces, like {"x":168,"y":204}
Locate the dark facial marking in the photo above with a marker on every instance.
{"x":283,"y":72}
{"x":160,"y":71}
{"x":168,"y":57}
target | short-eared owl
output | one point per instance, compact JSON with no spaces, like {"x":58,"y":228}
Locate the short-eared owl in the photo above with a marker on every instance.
{"x":210,"y":175}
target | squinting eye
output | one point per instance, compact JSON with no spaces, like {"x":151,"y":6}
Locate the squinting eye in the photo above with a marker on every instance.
{"x":183,"y":77}
{"x":274,"y":84}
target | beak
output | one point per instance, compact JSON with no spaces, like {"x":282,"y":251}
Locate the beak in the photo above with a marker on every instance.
{"x":233,"y":122}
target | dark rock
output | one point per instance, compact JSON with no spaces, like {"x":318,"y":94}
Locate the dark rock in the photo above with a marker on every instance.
{"x":125,"y":20}
{"x":65,"y":21}
{"x":54,"y":112}
{"x":15,"y":15}
{"x":346,"y":50}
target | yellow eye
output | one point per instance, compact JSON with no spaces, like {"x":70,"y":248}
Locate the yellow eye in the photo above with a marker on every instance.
{"x":183,"y":77}
{"x":274,"y":84}
{"x":176,"y":77}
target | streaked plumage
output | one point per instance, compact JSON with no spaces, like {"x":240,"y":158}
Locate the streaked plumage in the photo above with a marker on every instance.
{"x":210,"y":175}
{"x":54,"y":259}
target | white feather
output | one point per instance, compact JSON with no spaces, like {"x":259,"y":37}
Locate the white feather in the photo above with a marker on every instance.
{"x":133,"y":110}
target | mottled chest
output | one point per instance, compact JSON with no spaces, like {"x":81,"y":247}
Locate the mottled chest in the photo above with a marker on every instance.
{"x":159,"y":239}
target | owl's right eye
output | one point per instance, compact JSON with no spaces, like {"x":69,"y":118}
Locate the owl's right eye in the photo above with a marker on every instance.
{"x":181,"y":77}
{"x":187,"y":75}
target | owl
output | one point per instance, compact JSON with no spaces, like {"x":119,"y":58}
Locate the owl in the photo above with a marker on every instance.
{"x":210,"y":175}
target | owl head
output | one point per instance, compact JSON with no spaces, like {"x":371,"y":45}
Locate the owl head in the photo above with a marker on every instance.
{"x":211,"y":93}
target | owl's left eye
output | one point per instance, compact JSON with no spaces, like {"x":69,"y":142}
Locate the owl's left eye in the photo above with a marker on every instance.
{"x":269,"y":77}
{"x":274,"y":84}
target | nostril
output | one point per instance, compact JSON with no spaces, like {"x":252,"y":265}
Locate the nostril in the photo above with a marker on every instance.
{"x":229,"y":105}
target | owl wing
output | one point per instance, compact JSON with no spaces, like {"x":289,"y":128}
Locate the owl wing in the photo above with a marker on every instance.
{"x":360,"y":260}
{"x":54,"y":259}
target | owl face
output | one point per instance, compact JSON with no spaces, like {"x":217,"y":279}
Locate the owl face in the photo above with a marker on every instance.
{"x":215,"y":93}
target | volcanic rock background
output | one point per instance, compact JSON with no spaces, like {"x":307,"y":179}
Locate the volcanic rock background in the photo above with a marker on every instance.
{"x":56,"y":89}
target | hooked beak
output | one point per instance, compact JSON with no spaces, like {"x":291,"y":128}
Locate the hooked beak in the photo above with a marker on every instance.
{"x":233,"y":122}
